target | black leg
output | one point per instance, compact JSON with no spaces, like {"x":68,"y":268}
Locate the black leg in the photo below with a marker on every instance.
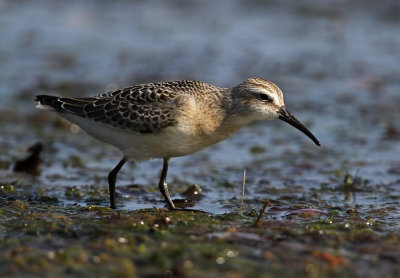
{"x":163,"y":184}
{"x":164,"y":189}
{"x":112,"y":177}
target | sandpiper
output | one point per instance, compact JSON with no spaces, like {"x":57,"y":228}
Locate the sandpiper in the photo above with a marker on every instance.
{"x":171,"y":119}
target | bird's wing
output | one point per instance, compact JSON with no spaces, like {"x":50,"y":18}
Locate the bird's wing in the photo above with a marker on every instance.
{"x":143,"y":108}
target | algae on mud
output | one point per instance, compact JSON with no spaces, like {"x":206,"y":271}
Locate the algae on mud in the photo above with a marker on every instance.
{"x":89,"y":241}
{"x":39,"y":234}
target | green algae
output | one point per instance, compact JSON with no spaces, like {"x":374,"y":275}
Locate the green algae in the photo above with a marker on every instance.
{"x":65,"y":240}
{"x":257,"y":149}
{"x":329,"y":229}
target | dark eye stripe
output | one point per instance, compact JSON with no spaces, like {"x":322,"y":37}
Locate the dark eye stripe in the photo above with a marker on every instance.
{"x":264,"y":97}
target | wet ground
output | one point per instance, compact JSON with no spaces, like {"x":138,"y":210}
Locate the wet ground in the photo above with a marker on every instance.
{"x":333,"y":211}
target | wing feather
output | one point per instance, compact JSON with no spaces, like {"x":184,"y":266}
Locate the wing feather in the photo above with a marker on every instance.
{"x":143,"y":108}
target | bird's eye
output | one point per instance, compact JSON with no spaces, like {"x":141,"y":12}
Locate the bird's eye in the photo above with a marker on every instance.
{"x":264,"y":97}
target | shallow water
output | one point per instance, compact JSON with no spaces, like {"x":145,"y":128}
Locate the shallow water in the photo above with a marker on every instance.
{"x":333,"y":210}
{"x":338,"y":67}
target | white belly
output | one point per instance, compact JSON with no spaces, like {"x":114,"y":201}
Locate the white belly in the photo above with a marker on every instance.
{"x":171,"y":142}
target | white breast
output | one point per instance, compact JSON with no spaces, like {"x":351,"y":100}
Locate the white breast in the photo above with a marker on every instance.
{"x":171,"y":142}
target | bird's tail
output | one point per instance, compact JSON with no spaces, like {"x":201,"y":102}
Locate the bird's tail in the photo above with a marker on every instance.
{"x":64,"y":104}
{"x":50,"y":103}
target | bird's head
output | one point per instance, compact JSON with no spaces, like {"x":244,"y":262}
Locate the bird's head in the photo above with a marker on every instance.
{"x":260,"y":99}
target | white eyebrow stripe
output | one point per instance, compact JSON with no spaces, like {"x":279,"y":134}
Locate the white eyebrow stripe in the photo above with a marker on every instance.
{"x":270,"y":93}
{"x":262,"y":90}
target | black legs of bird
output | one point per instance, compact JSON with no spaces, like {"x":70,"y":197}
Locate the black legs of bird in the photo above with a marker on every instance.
{"x":163,"y":184}
{"x":112,"y":178}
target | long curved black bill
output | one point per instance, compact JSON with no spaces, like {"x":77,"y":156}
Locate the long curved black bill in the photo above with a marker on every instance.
{"x":285,"y":116}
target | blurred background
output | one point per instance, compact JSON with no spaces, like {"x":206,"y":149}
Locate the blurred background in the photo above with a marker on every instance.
{"x":337,"y":64}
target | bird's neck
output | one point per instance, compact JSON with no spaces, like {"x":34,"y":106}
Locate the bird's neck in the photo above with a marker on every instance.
{"x":234,"y":118}
{"x":232,"y":123}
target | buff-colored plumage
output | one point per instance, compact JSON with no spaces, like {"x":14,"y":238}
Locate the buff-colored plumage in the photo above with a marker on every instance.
{"x":166,"y":119}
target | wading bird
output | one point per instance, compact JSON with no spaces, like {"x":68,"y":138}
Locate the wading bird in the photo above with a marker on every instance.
{"x":171,"y":119}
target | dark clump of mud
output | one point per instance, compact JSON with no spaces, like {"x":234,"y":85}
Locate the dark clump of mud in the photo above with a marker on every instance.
{"x":31,"y":163}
